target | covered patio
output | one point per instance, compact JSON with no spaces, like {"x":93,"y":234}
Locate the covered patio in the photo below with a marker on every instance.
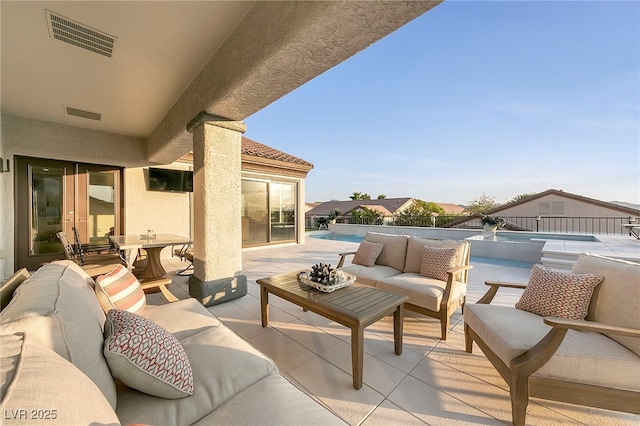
{"x":432,"y":382}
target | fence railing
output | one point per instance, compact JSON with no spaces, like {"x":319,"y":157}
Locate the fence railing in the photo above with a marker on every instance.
{"x":555,"y":224}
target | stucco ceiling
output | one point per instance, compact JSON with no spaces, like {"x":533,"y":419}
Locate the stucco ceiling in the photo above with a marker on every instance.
{"x":160,"y":47}
{"x":172,"y":60}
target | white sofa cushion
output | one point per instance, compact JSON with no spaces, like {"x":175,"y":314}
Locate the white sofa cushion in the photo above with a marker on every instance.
{"x":615,"y":300}
{"x":57,"y":306}
{"x":422,"y":291}
{"x":370,"y":274}
{"x":223,"y":365}
{"x":394,"y":249}
{"x":257,"y":406}
{"x":590,"y":358}
{"x":145,"y":356}
{"x":38,"y":386}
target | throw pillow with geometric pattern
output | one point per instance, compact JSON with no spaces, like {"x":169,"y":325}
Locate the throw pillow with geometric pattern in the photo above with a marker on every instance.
{"x":367,"y":253}
{"x":437,"y":261}
{"x":145,"y":356}
{"x":558,"y":294}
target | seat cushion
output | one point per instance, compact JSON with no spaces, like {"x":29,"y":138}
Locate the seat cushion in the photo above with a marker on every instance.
{"x":615,"y":300}
{"x":589,"y":358}
{"x":122,"y":290}
{"x":9,"y":286}
{"x":422,"y":291}
{"x":223,"y":365}
{"x":257,"y":406}
{"x":558,"y":294}
{"x":38,"y":386}
{"x":370,"y":274}
{"x":145,"y":356}
{"x":367,"y":253}
{"x":57,"y":305}
{"x":394,"y":249}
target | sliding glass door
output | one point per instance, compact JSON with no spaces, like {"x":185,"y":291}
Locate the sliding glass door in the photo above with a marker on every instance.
{"x":53,"y":196}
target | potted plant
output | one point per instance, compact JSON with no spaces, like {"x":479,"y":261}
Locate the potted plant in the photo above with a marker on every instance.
{"x":492,"y":224}
{"x":333,"y":215}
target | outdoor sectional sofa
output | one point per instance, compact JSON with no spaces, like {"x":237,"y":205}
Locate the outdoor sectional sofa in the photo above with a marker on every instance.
{"x":53,"y":367}
{"x":436,"y":285}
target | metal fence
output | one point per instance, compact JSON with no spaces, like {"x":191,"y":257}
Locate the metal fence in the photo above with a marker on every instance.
{"x":555,"y":224}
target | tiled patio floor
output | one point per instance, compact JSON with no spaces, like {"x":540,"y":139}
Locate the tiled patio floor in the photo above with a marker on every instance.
{"x":433,"y":382}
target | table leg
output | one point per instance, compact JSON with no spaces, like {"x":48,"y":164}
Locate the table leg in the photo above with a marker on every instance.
{"x":154,"y":267}
{"x":264,"y":306}
{"x":357,"y":355}
{"x":130,"y":257}
{"x":398,"y":315}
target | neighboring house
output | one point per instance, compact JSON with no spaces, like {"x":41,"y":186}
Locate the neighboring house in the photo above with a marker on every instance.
{"x":451,"y":208}
{"x":558,"y":211}
{"x":386,"y":206}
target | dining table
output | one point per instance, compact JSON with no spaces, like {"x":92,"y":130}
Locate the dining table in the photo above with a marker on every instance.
{"x":153,"y":276}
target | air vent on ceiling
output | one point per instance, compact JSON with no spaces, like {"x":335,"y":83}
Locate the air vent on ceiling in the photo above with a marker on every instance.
{"x":79,"y":35}
{"x":83,"y":114}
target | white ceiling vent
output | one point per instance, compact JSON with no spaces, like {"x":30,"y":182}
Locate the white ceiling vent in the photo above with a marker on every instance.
{"x":83,"y":114}
{"x":79,"y":35}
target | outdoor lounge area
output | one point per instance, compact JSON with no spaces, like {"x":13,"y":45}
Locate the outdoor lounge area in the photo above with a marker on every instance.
{"x":432,"y":382}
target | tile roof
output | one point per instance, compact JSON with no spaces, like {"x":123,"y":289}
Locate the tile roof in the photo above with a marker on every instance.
{"x":257,"y":149}
{"x":390,"y":204}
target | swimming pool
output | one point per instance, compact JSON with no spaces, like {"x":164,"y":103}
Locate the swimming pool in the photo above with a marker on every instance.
{"x":337,"y":237}
{"x":529,"y":236}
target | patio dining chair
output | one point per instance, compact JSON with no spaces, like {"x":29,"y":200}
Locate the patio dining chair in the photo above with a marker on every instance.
{"x":95,"y":264}
{"x":185,"y":253}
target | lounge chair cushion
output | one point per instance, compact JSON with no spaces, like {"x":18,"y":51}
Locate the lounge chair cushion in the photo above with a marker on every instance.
{"x":145,"y":356}
{"x":422,"y":291}
{"x":590,"y":358}
{"x":122,"y":290}
{"x":57,"y":305}
{"x":615,"y":300}
{"x":437,"y":261}
{"x":9,"y":286}
{"x":38,"y":386}
{"x":394,"y":249}
{"x":367,"y":253}
{"x":558,"y":294}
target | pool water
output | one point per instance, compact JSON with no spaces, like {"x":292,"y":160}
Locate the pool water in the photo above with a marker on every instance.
{"x":525,"y":237}
{"x":338,"y":237}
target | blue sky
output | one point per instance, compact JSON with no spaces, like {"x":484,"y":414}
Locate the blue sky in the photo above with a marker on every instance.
{"x":496,"y":98}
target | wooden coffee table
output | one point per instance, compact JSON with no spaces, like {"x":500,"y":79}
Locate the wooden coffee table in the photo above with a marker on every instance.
{"x":354,"y":306}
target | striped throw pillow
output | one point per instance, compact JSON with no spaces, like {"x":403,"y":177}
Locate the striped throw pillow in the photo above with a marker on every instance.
{"x":122,"y":290}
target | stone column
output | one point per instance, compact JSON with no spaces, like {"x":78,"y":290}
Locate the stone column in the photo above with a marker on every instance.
{"x":217,"y":226}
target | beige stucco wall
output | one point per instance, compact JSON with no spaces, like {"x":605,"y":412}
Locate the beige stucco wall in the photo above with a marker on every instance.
{"x":163,"y":212}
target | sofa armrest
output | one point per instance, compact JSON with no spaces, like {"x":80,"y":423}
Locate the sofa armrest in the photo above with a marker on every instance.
{"x":460,"y":268}
{"x":343,"y":257}
{"x":493,"y":289}
{"x":591,"y":326}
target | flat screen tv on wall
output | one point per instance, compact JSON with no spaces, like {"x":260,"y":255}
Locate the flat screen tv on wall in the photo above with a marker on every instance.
{"x":170,"y":180}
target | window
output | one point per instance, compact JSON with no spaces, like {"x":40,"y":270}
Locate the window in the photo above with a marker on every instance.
{"x":268,"y":212}
{"x":544,"y":208}
{"x":557,"y":207}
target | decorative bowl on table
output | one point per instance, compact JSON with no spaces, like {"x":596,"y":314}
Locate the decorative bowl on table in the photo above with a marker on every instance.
{"x":324,"y":278}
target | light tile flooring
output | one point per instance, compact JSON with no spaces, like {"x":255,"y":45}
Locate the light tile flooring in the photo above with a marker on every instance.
{"x":433,"y":382}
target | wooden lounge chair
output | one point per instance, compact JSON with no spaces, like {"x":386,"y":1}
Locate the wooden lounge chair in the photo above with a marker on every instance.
{"x":593,"y":362}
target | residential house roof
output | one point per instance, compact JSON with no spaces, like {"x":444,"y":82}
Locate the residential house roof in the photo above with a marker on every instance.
{"x":613,"y":206}
{"x":391,"y":205}
{"x":452,"y":208}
